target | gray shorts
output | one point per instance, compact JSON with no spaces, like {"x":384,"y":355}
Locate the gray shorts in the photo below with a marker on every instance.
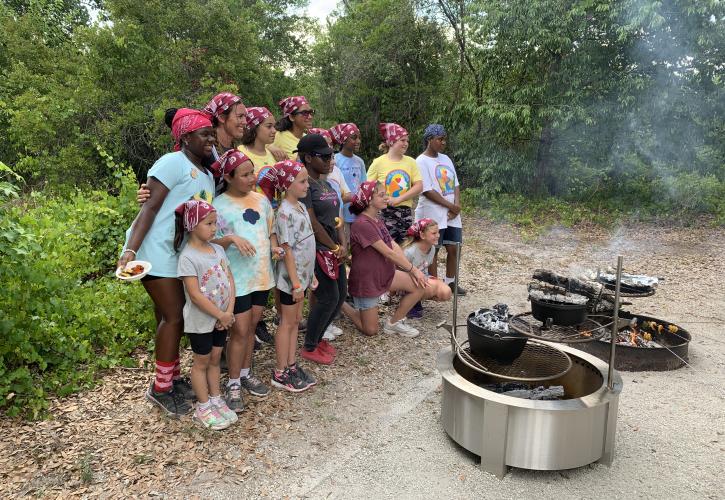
{"x":365,"y":303}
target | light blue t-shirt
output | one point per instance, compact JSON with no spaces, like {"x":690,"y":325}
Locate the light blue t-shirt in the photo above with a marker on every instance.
{"x":353,"y":170}
{"x":249,"y":217}
{"x":184,"y":182}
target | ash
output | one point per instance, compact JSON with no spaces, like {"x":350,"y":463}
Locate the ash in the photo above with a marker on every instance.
{"x":495,"y":320}
{"x":569,"y":298}
{"x":523,"y":391}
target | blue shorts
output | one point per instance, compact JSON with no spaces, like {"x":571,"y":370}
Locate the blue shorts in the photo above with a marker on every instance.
{"x":450,"y":236}
{"x":365,"y":303}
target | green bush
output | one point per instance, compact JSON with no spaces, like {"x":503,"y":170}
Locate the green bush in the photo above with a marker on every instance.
{"x":65,"y":316}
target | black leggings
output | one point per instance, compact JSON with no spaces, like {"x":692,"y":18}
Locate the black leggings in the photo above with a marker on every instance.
{"x":330,"y":295}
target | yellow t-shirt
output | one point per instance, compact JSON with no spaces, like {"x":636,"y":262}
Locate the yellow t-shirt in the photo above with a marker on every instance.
{"x":397,"y":176}
{"x":287,"y":142}
{"x":261,"y":164}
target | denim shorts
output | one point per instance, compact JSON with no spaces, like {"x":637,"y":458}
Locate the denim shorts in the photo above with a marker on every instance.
{"x":365,"y":303}
{"x":450,"y":236}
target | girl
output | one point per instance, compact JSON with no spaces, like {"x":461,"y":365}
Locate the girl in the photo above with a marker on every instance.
{"x":209,"y":308}
{"x":295,"y":274}
{"x":373,"y":273}
{"x":323,"y":206}
{"x":296,"y":119}
{"x":259,"y":136}
{"x":176,"y":177}
{"x":246,"y":231}
{"x":420,"y":249}
{"x":441,"y":200}
{"x":401,"y":178}
{"x":347,"y":136}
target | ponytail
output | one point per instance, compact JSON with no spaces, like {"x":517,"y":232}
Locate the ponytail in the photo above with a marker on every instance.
{"x":383,"y":147}
{"x":169,"y":116}
{"x":283,"y":124}
{"x":179,"y":232}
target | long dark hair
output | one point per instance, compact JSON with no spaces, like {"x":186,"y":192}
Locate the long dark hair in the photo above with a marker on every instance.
{"x":250,"y":135}
{"x":283,"y":124}
{"x":179,"y":231}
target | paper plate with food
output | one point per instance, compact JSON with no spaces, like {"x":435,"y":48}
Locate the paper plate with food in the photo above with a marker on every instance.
{"x":134,"y":270}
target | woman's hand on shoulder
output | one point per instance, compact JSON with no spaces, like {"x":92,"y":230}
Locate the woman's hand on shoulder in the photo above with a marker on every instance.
{"x":277,"y":152}
{"x":143,"y":194}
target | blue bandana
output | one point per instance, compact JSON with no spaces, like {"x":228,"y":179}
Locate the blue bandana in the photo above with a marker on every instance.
{"x":433,"y":130}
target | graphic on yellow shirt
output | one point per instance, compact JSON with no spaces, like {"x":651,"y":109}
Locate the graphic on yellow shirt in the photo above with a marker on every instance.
{"x":397,"y":183}
{"x":446,"y":180}
{"x":203,"y":195}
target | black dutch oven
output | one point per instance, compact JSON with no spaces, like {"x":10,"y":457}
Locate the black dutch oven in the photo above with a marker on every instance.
{"x":503,"y":347}
{"x":558,"y":313}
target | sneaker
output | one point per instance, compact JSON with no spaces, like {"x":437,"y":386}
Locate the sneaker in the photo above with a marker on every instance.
{"x":316,"y":356}
{"x":182,"y":387}
{"x":173,"y":404}
{"x":327,"y":348}
{"x":303,"y":375}
{"x":385,"y":298}
{"x":224,"y":410}
{"x":254,"y":386}
{"x":335,"y":330}
{"x":233,"y":398}
{"x":262,"y":335}
{"x":461,"y":291}
{"x":211,"y":418}
{"x":401,"y":329}
{"x":287,"y":382}
{"x":416,"y":312}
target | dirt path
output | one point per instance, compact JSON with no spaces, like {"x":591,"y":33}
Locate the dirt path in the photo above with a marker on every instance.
{"x":371,"y":429}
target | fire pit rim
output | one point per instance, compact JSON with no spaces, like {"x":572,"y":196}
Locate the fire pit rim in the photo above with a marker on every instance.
{"x":445,"y":360}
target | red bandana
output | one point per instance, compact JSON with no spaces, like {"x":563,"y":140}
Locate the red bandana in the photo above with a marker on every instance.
{"x":292,"y":104}
{"x":391,"y":132}
{"x":220,"y":103}
{"x":418,"y":227}
{"x":186,"y":121}
{"x":279,"y":177}
{"x":323,"y":132}
{"x":227,"y":162}
{"x":364,"y":195}
{"x":255,"y":116}
{"x":193,"y":212}
{"x":342,"y":131}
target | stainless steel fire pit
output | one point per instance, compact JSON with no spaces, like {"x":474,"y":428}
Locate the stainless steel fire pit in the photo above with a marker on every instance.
{"x":531,"y":434}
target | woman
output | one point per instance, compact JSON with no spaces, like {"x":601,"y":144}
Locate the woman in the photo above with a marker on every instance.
{"x":175,"y":178}
{"x":323,"y":206}
{"x":373,"y":272}
{"x":401,"y":178}
{"x":229,"y":117}
{"x":296,"y":119}
{"x":441,"y":200}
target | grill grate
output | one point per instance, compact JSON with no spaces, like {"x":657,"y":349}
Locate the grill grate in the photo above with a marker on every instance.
{"x":527,"y":325}
{"x":537,"y":363}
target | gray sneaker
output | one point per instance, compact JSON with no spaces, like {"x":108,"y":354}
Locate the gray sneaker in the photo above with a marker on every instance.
{"x":171,"y":402}
{"x":233,"y":397}
{"x":305,"y":377}
{"x":254,"y":386}
{"x":182,"y":387}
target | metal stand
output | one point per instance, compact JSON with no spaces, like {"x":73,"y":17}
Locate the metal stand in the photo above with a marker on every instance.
{"x":615,"y":323}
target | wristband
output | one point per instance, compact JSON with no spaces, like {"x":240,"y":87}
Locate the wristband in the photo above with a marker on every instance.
{"x":129,"y":250}
{"x":411,"y":268}
{"x":296,"y":287}
{"x":333,"y":250}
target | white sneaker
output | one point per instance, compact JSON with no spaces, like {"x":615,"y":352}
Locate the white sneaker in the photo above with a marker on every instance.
{"x":385,"y":298}
{"x":332,"y":332}
{"x":400,"y":328}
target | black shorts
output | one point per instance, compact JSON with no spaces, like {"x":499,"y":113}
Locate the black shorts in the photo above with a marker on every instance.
{"x":286,"y":299}
{"x":245,"y":302}
{"x":450,"y":236}
{"x":201,"y":343}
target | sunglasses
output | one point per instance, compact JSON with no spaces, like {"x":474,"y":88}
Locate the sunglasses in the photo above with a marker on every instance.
{"x":306,"y":112}
{"x":325,"y":158}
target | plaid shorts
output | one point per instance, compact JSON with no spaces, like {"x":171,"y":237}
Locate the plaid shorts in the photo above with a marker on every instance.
{"x":397,"y":221}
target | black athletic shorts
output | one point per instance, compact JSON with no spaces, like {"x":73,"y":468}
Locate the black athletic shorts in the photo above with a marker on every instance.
{"x":201,"y":343}
{"x":245,"y":302}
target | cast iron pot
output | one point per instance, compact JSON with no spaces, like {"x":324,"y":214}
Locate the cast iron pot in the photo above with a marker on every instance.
{"x":503,"y":347}
{"x":558,"y":313}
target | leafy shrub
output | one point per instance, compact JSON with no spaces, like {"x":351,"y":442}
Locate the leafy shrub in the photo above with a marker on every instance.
{"x":65,"y":316}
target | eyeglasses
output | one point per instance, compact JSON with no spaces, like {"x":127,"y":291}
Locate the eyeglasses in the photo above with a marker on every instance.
{"x":306,"y":112}
{"x":325,"y":158}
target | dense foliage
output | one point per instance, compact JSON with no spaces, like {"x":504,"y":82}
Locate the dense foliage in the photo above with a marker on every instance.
{"x":576,"y":108}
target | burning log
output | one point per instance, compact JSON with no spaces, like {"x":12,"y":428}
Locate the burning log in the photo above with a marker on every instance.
{"x":600,"y":299}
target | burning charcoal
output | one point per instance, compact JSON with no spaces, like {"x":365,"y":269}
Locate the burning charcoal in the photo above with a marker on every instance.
{"x":569,"y":298}
{"x":502,"y":310}
{"x":491,"y":320}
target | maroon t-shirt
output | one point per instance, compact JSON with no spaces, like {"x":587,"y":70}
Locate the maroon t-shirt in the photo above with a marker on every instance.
{"x":371,"y":274}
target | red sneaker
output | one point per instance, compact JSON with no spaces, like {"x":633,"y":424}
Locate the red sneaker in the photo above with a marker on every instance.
{"x":327,"y":348}
{"x":317,"y":356}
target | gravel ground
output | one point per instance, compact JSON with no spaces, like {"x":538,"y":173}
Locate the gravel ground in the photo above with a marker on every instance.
{"x":371,"y":428}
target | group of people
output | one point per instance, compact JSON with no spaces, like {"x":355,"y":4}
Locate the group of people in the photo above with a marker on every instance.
{"x":248,"y":204}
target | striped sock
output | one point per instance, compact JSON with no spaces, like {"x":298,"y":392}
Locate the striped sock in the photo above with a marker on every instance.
{"x":164,"y":376}
{"x":177,"y":369}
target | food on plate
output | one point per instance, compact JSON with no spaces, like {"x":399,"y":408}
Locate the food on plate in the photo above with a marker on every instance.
{"x":132,"y":271}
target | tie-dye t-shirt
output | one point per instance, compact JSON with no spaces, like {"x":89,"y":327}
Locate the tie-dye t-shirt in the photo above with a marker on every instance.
{"x":185,"y":181}
{"x":397,"y":176}
{"x":249,"y":217}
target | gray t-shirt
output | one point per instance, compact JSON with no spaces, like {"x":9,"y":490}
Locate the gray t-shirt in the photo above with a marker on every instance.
{"x":211,"y":271}
{"x":293,"y":226}
{"x":418,"y":258}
